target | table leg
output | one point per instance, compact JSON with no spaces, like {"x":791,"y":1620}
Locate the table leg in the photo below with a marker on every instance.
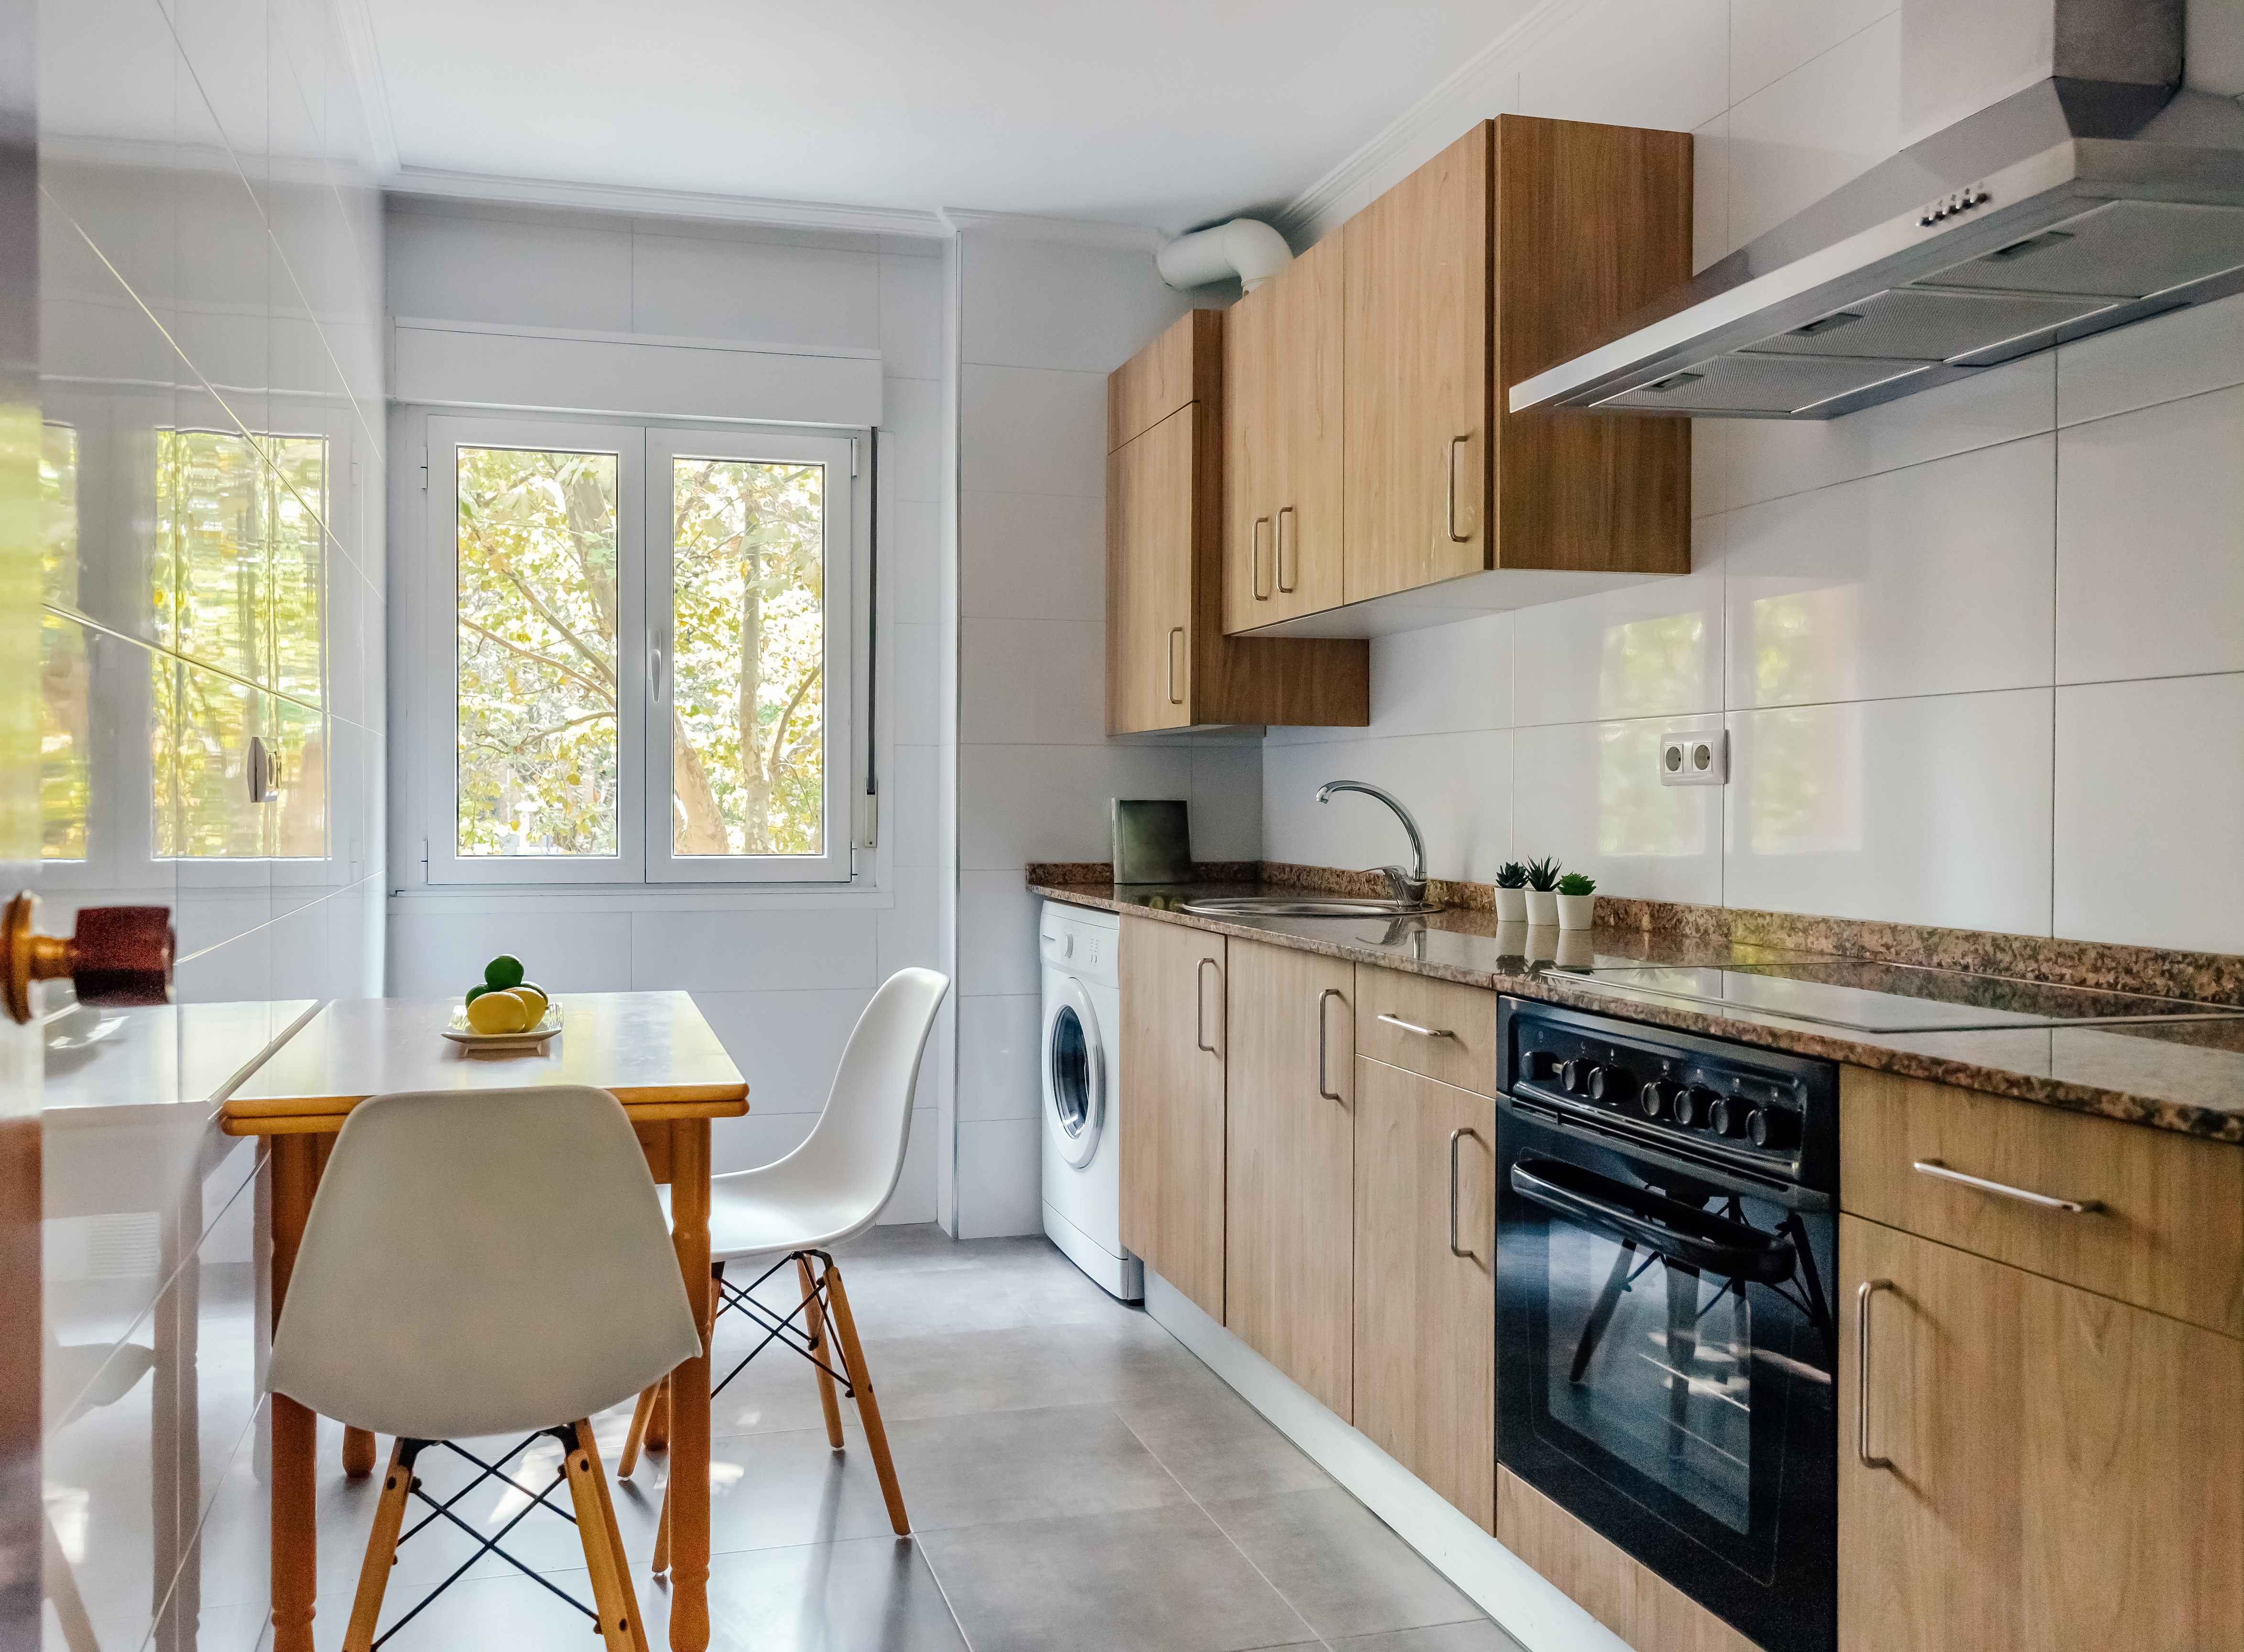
{"x":295,"y":1164}
{"x":688,"y":1493}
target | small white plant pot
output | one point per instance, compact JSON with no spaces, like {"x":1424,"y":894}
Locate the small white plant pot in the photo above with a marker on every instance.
{"x":1512,"y":906}
{"x":1542,"y":906}
{"x":1576,"y":911}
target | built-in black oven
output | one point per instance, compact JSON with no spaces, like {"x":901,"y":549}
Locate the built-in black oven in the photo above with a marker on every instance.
{"x":1665,"y":1345}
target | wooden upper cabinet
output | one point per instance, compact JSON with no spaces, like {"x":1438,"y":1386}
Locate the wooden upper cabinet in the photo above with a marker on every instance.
{"x":1513,"y":249}
{"x":1168,"y":662}
{"x":1283,"y":546}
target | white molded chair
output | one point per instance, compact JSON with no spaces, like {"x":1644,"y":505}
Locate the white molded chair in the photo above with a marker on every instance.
{"x":829,"y":1189}
{"x":485,"y":1262}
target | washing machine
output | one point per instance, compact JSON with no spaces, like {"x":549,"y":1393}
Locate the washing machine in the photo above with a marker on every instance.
{"x":1080,"y":1052}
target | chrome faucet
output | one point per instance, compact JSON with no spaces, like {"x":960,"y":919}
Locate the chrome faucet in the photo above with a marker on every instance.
{"x":1408,"y":887}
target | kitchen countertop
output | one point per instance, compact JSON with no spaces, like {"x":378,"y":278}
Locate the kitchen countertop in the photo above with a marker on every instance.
{"x":2188,"y":1079}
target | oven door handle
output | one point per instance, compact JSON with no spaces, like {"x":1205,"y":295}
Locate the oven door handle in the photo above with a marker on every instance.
{"x":1677,"y":1231}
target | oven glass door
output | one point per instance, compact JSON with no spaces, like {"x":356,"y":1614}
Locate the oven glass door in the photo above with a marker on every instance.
{"x":1666,"y":1357}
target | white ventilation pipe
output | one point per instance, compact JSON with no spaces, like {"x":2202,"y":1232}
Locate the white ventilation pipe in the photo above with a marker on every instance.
{"x":1245,"y":247}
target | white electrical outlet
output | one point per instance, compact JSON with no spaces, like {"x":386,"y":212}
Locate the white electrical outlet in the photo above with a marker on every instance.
{"x":1694,"y":759}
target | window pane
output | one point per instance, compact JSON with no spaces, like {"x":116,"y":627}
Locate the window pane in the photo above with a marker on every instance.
{"x":748,"y":703}
{"x":537,"y":653}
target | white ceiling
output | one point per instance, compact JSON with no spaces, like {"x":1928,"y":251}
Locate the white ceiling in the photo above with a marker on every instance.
{"x":1159,"y":112}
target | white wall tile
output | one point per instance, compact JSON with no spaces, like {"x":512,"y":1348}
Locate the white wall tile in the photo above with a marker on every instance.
{"x":1794,"y":141}
{"x":757,"y":1140}
{"x":1032,"y":681}
{"x":522,"y":274}
{"x":2150,"y":788}
{"x":1589,"y":794}
{"x":1047,"y":304}
{"x":997,"y":938}
{"x":1934,"y":811}
{"x":913,"y":660}
{"x":999,"y":1048}
{"x":1031,"y":430}
{"x":1032,"y":555}
{"x":1673,"y":74}
{"x":787,"y":1045}
{"x":906,"y":935}
{"x":1227,"y":800}
{"x":1444,"y":678}
{"x":751,"y":951}
{"x":1770,"y":38}
{"x":2168,"y":356}
{"x":908,"y":806}
{"x":1023,"y":803}
{"x":911,"y":438}
{"x":690,"y":287}
{"x":435,"y":952}
{"x":1710,"y":192}
{"x":911,"y":562}
{"x":1457,"y":786}
{"x":2150,"y":542}
{"x":911,"y":317}
{"x":914,"y":1199}
{"x":1000,"y":1177}
{"x":1654,"y":650}
{"x":1933,"y":580}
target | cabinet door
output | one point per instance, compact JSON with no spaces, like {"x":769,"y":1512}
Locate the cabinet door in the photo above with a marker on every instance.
{"x":2066,"y":1472}
{"x":1415,"y":386}
{"x":1171,"y":1125}
{"x":1425,"y":1317}
{"x":1250,"y":368}
{"x":1305,"y":436}
{"x":1289,"y":1164}
{"x":1149,"y":497}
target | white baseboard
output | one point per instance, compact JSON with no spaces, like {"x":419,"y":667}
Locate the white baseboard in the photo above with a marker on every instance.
{"x":1531,"y":1610}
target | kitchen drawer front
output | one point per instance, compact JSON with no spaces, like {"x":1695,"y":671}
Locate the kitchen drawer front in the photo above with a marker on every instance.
{"x":2167,"y":1233}
{"x":1457,"y":1044}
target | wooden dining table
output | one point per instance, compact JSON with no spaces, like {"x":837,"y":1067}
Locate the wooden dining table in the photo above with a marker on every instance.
{"x":655,"y":1054}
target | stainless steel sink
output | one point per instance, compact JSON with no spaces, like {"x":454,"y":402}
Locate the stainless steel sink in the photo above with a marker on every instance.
{"x":1305,"y":906}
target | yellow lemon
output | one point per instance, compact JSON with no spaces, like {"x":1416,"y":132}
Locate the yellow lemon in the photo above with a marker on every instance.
{"x":498,"y":1013}
{"x":534,"y":996}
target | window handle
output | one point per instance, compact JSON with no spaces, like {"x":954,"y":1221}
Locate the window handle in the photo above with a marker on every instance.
{"x":655,"y":641}
{"x":260,"y":770}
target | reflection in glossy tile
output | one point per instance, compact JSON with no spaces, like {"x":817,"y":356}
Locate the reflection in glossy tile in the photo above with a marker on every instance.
{"x":1589,"y":794}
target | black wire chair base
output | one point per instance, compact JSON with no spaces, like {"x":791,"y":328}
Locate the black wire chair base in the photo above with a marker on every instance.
{"x":778,"y":1327}
{"x":408,"y":1451}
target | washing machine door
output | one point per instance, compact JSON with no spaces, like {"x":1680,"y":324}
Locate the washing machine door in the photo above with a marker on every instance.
{"x":1075,"y":1073}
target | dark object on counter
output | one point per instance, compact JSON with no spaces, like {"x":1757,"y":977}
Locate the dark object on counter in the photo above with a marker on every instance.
{"x":1152,"y":840}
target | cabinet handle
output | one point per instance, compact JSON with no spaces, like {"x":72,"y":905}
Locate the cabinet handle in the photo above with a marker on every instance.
{"x":1454,"y":1135}
{"x":1412,"y":1027}
{"x":1938,"y":1171}
{"x":1863,"y":1372}
{"x":1279,"y":550}
{"x":1200,"y":1009}
{"x":1255,"y":559}
{"x":1176,"y":635}
{"x":1324,"y":1021}
{"x":1449,"y":516}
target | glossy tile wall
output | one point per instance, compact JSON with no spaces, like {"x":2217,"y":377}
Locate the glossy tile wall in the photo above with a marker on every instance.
{"x":780,"y":976}
{"x":1042,"y":323}
{"x":1973,"y":649}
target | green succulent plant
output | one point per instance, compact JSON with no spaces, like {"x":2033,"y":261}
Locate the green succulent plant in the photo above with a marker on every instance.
{"x":1542,"y":875}
{"x":1575,"y":883}
{"x":1512,"y":875}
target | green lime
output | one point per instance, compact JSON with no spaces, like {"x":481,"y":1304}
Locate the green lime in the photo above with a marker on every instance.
{"x":475,"y":993}
{"x":503,"y":972}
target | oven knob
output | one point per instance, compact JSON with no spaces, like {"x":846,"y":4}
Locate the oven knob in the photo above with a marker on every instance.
{"x":1574,"y":1077}
{"x":1657,"y":1099}
{"x":1727,"y":1117}
{"x":1608,"y":1084}
{"x":1775,"y":1127}
{"x":1693,"y":1105}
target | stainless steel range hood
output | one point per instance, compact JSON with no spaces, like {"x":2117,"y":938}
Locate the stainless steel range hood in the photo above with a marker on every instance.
{"x":2097,"y":197}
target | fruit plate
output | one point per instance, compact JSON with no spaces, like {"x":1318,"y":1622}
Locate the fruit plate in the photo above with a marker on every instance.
{"x":530,"y":1038}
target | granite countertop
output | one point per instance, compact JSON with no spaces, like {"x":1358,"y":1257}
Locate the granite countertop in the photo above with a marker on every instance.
{"x":2189,"y":1078}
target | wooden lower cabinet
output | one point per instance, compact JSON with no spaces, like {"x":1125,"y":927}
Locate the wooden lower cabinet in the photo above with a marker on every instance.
{"x":1172,"y":1131}
{"x":1289,"y":1164}
{"x":2066,"y":1472}
{"x":1425,"y":1318}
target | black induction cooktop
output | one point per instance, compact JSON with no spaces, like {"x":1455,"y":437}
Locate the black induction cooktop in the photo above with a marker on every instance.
{"x":1865,"y":997}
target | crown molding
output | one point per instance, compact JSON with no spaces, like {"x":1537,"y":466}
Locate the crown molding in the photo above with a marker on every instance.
{"x":365,"y":57}
{"x":639,"y":202}
{"x":1037,"y":227}
{"x":1477,"y":88}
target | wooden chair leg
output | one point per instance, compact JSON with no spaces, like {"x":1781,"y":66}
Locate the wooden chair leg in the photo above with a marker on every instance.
{"x":604,"y":1556}
{"x":642,"y":1414}
{"x":662,"y":1534}
{"x":381,"y":1552}
{"x":816,"y":1316}
{"x":658,"y":1420}
{"x":358,"y":1452}
{"x":868,"y":1410}
{"x":60,"y":1584}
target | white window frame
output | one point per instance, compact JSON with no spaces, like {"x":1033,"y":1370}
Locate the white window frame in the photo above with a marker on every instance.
{"x":645,"y":449}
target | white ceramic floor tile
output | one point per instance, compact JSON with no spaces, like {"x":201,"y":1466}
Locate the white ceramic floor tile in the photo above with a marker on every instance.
{"x":2150,"y":522}
{"x":1933,"y":580}
{"x":1589,"y":794}
{"x":1654,"y":650}
{"x":1932,"y":811}
{"x":2150,"y":787}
